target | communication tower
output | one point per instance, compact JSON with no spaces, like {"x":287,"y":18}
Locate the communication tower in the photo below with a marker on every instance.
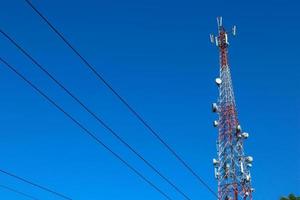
{"x":232,"y":167}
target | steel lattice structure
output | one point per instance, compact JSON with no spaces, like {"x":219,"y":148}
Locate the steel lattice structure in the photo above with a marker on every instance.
{"x":232,"y":167}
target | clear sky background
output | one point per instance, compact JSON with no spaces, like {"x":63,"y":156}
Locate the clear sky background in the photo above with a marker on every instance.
{"x":158,"y":56}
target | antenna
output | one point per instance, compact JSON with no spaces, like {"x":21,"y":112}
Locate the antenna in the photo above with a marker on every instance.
{"x":212,"y":38}
{"x":234,"y":30}
{"x":220,"y":21}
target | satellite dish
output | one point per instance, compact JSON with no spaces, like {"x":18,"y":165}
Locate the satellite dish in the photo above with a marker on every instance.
{"x":218,"y":81}
{"x":215,"y":162}
{"x":215,"y":123}
{"x":245,"y":135}
{"x":238,"y":128}
{"x":214,"y":107}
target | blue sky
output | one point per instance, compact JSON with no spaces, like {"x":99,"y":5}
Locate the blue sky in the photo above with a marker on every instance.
{"x":158,"y":56}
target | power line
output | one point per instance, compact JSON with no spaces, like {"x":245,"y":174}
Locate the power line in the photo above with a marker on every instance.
{"x":18,"y":192}
{"x":111,"y":131}
{"x":26,"y":180}
{"x":135,"y":113}
{"x":92,"y":135}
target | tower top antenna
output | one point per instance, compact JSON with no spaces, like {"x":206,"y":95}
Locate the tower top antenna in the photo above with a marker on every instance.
{"x":220,"y":21}
{"x":221,"y":40}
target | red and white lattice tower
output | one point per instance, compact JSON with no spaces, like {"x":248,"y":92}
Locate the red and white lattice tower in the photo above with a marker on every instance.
{"x":232,"y":167}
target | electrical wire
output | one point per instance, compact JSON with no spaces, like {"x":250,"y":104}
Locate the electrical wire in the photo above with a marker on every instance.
{"x":28,"y":181}
{"x":110,"y":130}
{"x":92,"y":135}
{"x":133,"y":111}
{"x":18,"y":192}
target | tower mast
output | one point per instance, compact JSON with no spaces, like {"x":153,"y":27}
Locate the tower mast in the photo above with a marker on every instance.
{"x":232,"y":167}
